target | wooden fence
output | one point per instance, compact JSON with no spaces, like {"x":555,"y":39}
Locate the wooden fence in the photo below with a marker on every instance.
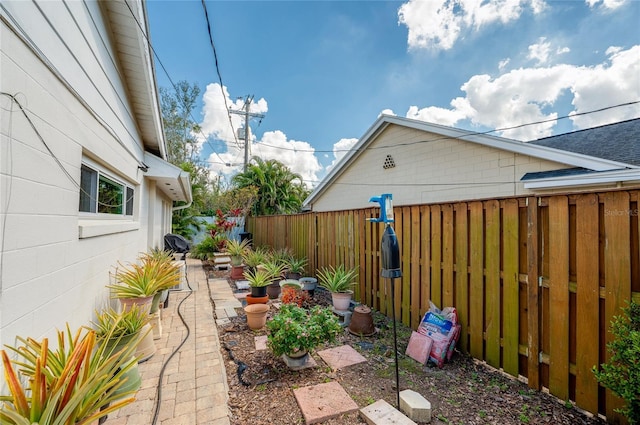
{"x":535,"y":281}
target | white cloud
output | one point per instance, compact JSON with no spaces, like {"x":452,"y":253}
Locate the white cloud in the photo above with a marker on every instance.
{"x":540,"y":51}
{"x":386,"y":112}
{"x":298,"y":156}
{"x":521,"y":96}
{"x":607,"y":4}
{"x":503,"y":64}
{"x":340,"y":149}
{"x":437,"y":24}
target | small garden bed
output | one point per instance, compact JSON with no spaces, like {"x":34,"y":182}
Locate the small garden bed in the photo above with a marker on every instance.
{"x":464,"y":391}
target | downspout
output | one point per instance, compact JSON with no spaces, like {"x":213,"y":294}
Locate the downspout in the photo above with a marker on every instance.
{"x":190,"y":202}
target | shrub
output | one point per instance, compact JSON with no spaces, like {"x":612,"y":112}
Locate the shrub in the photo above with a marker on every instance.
{"x":293,"y":329}
{"x":622,"y":373}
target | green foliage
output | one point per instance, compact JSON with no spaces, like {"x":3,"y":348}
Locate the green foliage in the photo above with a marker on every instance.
{"x":145,"y":279}
{"x":337,"y":279}
{"x":258,"y":278}
{"x":621,"y":374}
{"x":110,"y":323}
{"x":279,"y":190}
{"x":294,"y":329}
{"x":205,"y":249}
{"x":67,"y":386}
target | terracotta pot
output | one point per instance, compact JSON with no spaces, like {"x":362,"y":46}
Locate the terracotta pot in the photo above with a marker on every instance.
{"x":143,"y":302}
{"x":273,"y":290}
{"x":362,"y":321}
{"x":341,"y":300}
{"x":237,"y":272}
{"x":256,"y":300}
{"x":256,"y":315}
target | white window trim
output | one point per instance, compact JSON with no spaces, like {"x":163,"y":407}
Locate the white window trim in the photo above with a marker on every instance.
{"x":99,"y":224}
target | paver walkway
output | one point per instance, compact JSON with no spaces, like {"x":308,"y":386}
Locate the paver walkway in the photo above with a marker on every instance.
{"x":194,"y":384}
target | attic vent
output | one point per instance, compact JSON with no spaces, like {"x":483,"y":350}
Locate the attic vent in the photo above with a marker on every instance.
{"x":388,"y":163}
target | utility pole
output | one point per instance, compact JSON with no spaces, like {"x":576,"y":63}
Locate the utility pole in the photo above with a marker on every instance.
{"x":247,"y":115}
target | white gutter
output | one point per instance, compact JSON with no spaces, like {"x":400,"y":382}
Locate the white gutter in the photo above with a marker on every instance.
{"x":588,"y":179}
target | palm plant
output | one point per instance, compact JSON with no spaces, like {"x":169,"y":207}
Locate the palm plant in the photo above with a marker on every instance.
{"x":280,"y":191}
{"x":117,"y":328}
{"x":68,"y":386}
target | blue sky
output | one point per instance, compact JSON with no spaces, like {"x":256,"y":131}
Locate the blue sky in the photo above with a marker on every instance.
{"x":323,"y":71}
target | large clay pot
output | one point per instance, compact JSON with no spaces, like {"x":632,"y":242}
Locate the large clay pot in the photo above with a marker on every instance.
{"x":273,"y":290}
{"x":256,"y":315}
{"x":341,"y":300}
{"x":362,"y":321}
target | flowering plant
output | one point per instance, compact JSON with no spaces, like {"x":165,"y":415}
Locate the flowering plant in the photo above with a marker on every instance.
{"x":293,"y":329}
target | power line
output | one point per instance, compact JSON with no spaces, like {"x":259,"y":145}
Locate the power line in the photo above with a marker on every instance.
{"x":155,"y":54}
{"x":471,"y":133}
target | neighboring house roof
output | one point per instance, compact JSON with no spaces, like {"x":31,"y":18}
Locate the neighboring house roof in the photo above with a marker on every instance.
{"x":576,"y":159}
{"x":618,"y":142}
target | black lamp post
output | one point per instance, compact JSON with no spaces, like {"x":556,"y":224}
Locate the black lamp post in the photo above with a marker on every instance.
{"x":390,"y":266}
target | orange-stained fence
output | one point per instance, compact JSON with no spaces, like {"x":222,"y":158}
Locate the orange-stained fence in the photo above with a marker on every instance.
{"x":535,"y":281}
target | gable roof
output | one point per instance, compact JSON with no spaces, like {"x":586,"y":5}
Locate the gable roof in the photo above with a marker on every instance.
{"x":575,"y":159}
{"x":618,"y":142}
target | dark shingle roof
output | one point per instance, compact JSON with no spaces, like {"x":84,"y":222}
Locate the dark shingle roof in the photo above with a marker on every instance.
{"x":616,"y":142}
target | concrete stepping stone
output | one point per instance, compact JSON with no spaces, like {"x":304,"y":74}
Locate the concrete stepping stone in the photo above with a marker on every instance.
{"x":261,"y":342}
{"x":382,"y":413}
{"x":339,"y":357}
{"x":321,"y":402}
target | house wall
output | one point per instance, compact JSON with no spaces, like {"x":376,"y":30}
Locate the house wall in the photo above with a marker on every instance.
{"x":55,"y":262}
{"x":429,"y":168}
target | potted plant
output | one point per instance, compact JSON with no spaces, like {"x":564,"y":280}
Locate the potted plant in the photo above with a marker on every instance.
{"x":258,"y":281}
{"x":116,"y":330}
{"x":275,"y":270}
{"x":338,"y":281}
{"x":295,"y":267}
{"x":253,"y":258}
{"x":236,"y":250}
{"x":65,"y":386}
{"x":294,"y":331}
{"x":168,"y":266}
{"x":138,"y":283}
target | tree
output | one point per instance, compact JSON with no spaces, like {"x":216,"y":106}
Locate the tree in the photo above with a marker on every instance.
{"x":279,"y":190}
{"x":177,"y":107}
{"x":183,"y":151}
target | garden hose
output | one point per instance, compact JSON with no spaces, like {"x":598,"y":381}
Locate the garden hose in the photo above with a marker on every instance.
{"x":164,"y":366}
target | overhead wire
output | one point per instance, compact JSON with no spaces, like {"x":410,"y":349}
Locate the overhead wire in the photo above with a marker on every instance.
{"x":467,"y":134}
{"x":155,"y":54}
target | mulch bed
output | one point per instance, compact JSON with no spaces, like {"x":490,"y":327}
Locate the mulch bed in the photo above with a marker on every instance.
{"x":464,"y":391}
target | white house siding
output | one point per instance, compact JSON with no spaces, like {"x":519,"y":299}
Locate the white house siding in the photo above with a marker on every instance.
{"x":49,"y":275}
{"x":428,"y":169}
